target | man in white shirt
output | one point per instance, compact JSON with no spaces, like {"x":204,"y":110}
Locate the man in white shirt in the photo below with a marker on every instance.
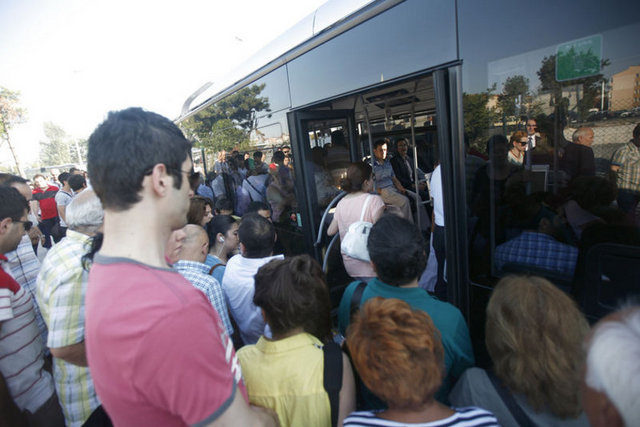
{"x":257,"y":236}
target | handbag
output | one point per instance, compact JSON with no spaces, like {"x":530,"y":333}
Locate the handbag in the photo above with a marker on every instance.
{"x":354,"y":243}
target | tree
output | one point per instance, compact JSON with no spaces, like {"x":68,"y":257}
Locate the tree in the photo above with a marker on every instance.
{"x":590,"y":85}
{"x":57,"y":149}
{"x":10,"y":115}
{"x":225,"y":121}
{"x":478,"y":116}
{"x":515,"y":89}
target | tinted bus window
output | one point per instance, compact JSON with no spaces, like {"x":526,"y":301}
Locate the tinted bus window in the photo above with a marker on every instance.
{"x":360,"y":57}
{"x":551,"y":93}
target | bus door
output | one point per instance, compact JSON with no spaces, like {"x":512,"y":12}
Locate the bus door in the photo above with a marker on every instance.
{"x":324,"y":143}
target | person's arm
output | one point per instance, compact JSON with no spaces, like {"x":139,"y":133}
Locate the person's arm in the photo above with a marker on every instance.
{"x":333,"y":227}
{"x":398,"y":185}
{"x":35,"y":206}
{"x":347,"y":392}
{"x":74,"y":354}
{"x":239,"y":413}
{"x":62,"y":212}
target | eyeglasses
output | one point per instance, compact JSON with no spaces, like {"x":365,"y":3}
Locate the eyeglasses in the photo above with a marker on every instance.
{"x":191,"y":174}
{"x":522,"y":142}
{"x":26,"y":224}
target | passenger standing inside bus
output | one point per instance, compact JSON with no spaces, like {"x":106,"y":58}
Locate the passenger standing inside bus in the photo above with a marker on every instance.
{"x":389,"y":188}
{"x":358,"y":184}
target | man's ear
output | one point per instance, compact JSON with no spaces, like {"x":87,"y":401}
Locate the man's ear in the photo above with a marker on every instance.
{"x":160,"y":179}
{"x":5,"y":225}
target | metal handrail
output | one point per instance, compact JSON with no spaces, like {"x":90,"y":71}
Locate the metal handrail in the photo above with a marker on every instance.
{"x":326,"y":213}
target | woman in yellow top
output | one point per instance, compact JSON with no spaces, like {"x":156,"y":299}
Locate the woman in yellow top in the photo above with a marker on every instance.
{"x":286,"y":372}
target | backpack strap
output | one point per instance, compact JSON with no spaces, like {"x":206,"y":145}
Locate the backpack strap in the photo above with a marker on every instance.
{"x":333,"y":377}
{"x":214,"y":268}
{"x":516,"y":411}
{"x":356,"y":298}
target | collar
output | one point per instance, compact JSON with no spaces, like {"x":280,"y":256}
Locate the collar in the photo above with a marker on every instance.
{"x":184,"y":264}
{"x":287,"y":344}
{"x":3,"y":258}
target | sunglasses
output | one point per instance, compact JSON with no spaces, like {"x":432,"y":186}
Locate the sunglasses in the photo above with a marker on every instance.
{"x":522,"y":143}
{"x":26,"y":224}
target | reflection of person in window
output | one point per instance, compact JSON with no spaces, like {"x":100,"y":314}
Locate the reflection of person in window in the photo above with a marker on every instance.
{"x":390,"y":189}
{"x":325,"y":188}
{"x":220,"y":165}
{"x":517,"y":148}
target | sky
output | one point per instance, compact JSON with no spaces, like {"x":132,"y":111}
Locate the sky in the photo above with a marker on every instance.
{"x":75,"y":60}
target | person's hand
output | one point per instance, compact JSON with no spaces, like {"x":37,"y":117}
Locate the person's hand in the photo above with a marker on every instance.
{"x":34,"y":234}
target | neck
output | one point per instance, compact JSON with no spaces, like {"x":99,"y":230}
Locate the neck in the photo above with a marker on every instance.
{"x":413,"y":284}
{"x":292,"y":332}
{"x":139,"y":233}
{"x":431,"y":411}
{"x":219,"y":251}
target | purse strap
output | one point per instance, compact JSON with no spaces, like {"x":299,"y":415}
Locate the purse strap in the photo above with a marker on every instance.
{"x":516,"y":411}
{"x":333,"y":377}
{"x":364,"y":207}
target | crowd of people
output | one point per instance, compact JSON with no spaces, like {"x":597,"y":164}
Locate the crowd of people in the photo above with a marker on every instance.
{"x":160,"y":307}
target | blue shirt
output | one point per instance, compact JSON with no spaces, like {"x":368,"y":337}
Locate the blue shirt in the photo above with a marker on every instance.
{"x":383,"y":172}
{"x":197,"y":274}
{"x":537,"y":250}
{"x":219,"y":271}
{"x":458,"y":353}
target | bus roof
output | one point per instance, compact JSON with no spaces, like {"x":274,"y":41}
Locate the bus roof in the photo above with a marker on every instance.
{"x":329,"y":20}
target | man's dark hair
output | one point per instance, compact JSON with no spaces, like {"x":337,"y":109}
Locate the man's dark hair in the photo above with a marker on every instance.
{"x":292,"y":292}
{"x":396,"y":248}
{"x":257,"y":155}
{"x":257,"y":206}
{"x":380,"y":142}
{"x":76,"y":182}
{"x":64,"y":177}
{"x":126,"y":147}
{"x":257,"y":234}
{"x":8,"y":179}
{"x":636,"y":131}
{"x":12,"y":204}
{"x":223,"y":204}
{"x":72,"y":170}
{"x":278,"y":157}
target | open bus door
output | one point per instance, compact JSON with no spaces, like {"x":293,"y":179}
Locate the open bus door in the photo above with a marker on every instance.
{"x":324,"y":143}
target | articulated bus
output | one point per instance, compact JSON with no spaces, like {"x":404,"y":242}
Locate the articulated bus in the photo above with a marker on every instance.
{"x":449,"y":75}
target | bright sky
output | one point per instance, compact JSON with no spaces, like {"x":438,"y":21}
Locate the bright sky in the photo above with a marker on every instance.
{"x":74,"y":60}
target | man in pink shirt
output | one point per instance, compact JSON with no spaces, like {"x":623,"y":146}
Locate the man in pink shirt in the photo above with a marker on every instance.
{"x":157,"y":350}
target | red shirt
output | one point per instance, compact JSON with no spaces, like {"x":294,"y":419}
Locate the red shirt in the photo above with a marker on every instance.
{"x":46,"y":198}
{"x":158,"y":352}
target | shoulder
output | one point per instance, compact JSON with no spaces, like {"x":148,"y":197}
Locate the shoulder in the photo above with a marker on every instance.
{"x":473,"y":416}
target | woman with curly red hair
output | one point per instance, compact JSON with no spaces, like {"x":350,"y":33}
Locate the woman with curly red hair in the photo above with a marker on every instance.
{"x":398,"y":355}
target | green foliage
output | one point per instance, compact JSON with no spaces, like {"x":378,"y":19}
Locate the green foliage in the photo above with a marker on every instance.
{"x":227,"y":123}
{"x":57,"y":149}
{"x":514,"y":87}
{"x":478,"y":116}
{"x":10,"y":113}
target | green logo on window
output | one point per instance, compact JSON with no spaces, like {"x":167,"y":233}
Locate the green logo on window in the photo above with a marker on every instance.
{"x":579,"y":58}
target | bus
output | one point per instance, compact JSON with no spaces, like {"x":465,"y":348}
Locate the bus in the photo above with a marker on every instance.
{"x":449,"y":76}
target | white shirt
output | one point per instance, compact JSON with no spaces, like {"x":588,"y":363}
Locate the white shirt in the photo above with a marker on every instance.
{"x":436,"y":193}
{"x":239,"y":287}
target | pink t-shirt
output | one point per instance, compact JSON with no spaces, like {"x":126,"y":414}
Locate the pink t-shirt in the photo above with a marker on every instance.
{"x":157,"y":350}
{"x":347,"y":212}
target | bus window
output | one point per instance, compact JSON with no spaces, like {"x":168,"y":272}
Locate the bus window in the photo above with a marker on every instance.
{"x":545,"y":114}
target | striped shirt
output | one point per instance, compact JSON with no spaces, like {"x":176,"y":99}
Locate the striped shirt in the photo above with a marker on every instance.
{"x":21,"y":348}
{"x":197,"y":274}
{"x":61,"y":288}
{"x":628,"y":159}
{"x":24,"y":266}
{"x":467,"y":417}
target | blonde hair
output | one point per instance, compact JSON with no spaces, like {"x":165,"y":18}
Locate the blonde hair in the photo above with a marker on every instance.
{"x":534,"y":336}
